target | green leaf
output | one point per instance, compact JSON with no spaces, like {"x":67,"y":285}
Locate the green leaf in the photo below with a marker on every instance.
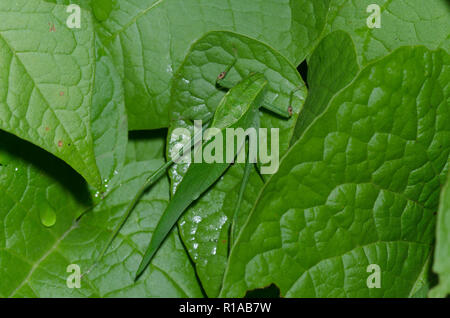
{"x":200,"y":176}
{"x":32,"y":181}
{"x":47,"y":84}
{"x":332,"y":66}
{"x":34,"y":258}
{"x":102,"y":8}
{"x":108,"y":116}
{"x":149,"y":40}
{"x":359,"y":187}
{"x":403,"y":22}
{"x":441,"y":264}
{"x":353,"y":44}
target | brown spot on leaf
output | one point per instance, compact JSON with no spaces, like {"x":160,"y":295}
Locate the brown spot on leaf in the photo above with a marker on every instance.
{"x":222,"y":75}
{"x":47,"y":128}
{"x":61,"y":93}
{"x":290,"y":110}
{"x":60,"y":143}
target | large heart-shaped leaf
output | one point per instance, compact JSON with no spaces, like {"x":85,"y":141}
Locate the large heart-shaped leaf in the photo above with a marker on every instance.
{"x":357,"y":192}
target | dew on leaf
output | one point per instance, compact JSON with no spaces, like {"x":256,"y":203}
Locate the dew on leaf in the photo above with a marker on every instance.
{"x":47,"y":216}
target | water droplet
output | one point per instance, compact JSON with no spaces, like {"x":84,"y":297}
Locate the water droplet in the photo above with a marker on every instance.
{"x":222,"y":221}
{"x":214,"y":251}
{"x":197,"y":219}
{"x":195,"y":246}
{"x":16,"y":169}
{"x":48,"y":216}
{"x":116,"y":172}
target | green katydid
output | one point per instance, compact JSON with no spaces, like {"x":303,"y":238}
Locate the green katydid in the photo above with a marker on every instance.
{"x":248,"y":94}
{"x":248,"y":97}
{"x":200,"y":176}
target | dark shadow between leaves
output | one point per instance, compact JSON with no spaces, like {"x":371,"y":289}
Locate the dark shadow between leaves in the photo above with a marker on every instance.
{"x":21,"y":150}
{"x":271,"y":291}
{"x":303,"y":70}
{"x":146,"y":135}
